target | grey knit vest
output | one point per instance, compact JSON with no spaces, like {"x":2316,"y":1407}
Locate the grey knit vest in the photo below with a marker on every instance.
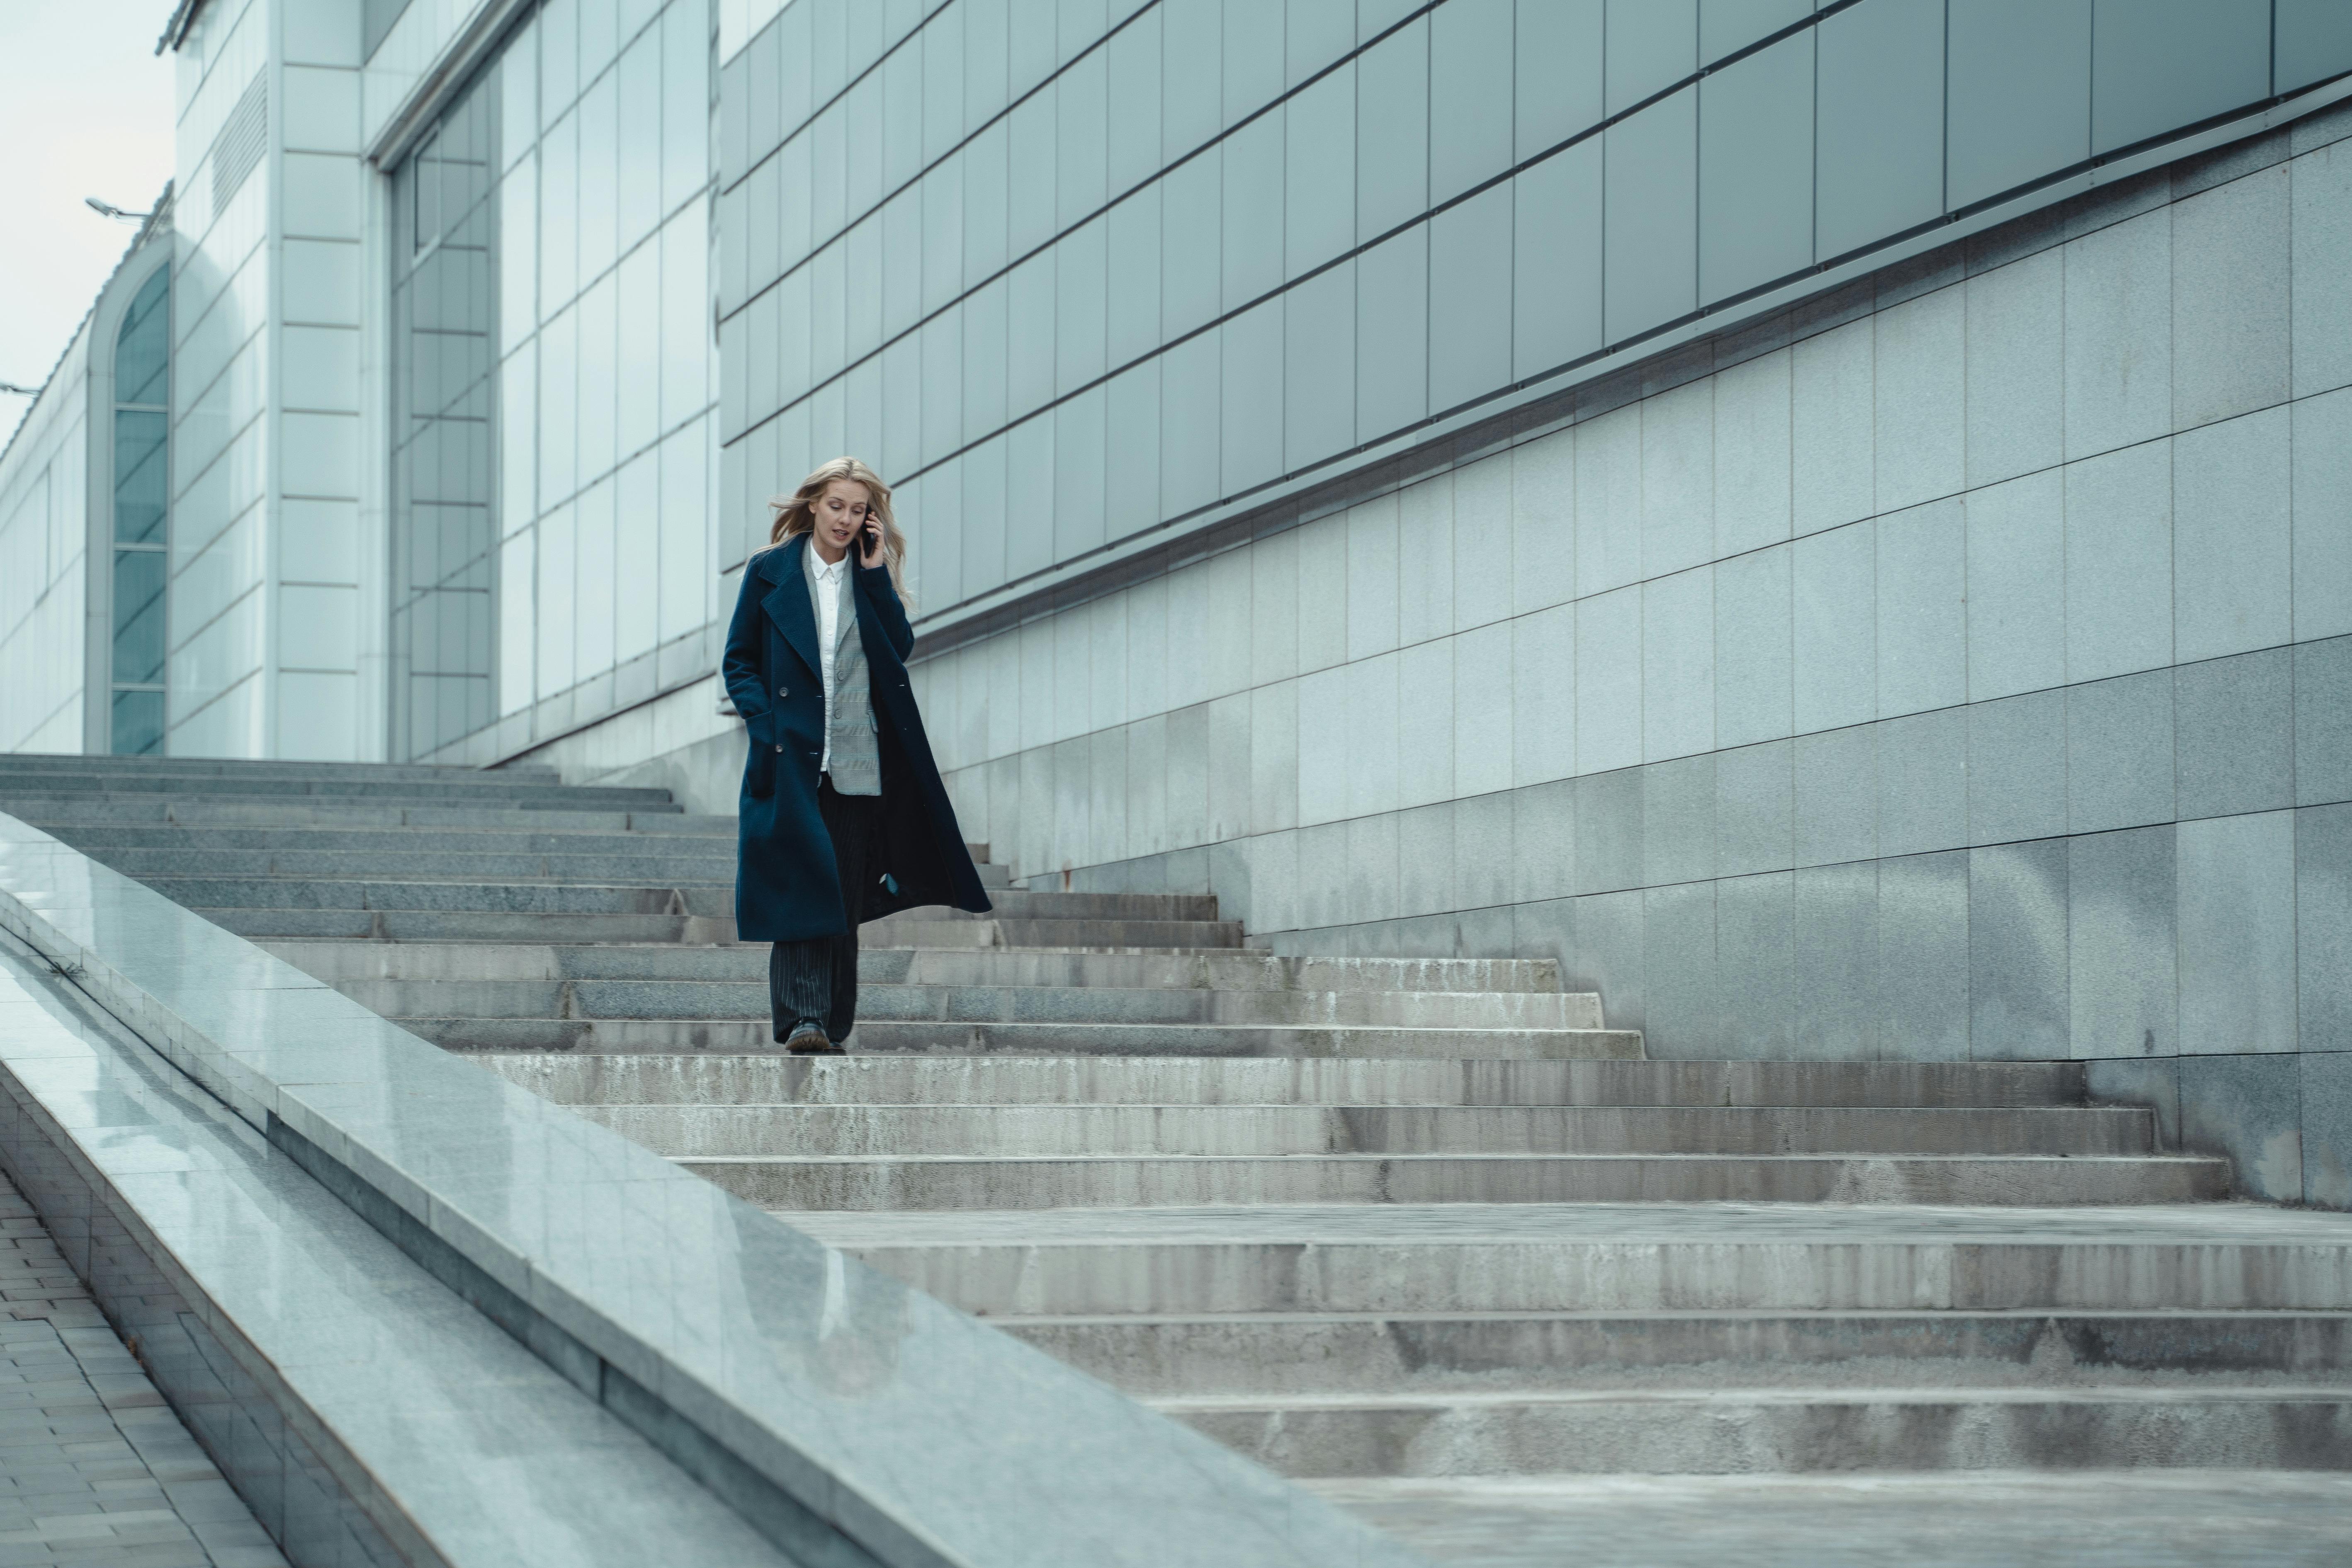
{"x":856,"y":766}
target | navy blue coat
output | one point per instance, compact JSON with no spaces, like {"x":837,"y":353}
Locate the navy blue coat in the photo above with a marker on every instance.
{"x":787,"y":888}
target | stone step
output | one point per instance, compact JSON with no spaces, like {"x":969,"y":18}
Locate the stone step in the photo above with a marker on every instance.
{"x":467,"y":925}
{"x":448,"y":894}
{"x":1257,"y":1131}
{"x":1320,"y":1353}
{"x":65,"y":814}
{"x":950,"y":1181}
{"x":773,"y":1079}
{"x":478,"y":789}
{"x":981,"y":1004}
{"x":1238,"y":970}
{"x":439,"y":861}
{"x":14,"y":764}
{"x":1788,"y":1430}
{"x":881,"y":1034}
{"x":515,"y":835}
{"x":1019,"y":904}
{"x":954,"y":929}
{"x":1742,"y":1257}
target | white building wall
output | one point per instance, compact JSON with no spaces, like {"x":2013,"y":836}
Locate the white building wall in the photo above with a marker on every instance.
{"x":44,"y":478}
{"x":1953,"y":667}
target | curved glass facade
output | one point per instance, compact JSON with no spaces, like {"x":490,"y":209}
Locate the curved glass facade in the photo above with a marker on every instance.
{"x":142,"y":532}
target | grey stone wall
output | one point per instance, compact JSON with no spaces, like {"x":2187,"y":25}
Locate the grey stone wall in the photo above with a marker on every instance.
{"x":1956,"y":666}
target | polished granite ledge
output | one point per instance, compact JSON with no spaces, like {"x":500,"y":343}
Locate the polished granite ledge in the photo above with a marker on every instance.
{"x":751,"y":1355}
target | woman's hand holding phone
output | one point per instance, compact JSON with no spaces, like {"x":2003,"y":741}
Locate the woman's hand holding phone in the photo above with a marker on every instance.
{"x":869,"y":546}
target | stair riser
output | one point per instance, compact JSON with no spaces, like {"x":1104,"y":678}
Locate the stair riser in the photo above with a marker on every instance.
{"x":509,"y":838}
{"x":430,"y":925}
{"x":487,"y":898}
{"x":1261,"y":1131}
{"x":773,"y":1079}
{"x":953,"y":1184}
{"x":418,"y":793}
{"x":1628,"y":1277}
{"x":1312,"y":1355}
{"x":650,"y":864}
{"x":1235,"y":971}
{"x":970,"y":1003}
{"x":1730,"y":1437}
{"x":880,"y":1035}
{"x":933,"y":931}
{"x":169,"y":813}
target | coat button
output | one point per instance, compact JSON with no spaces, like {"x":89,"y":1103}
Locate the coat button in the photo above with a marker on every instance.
{"x":780,"y":748}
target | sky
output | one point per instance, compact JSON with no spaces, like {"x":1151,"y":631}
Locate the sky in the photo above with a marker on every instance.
{"x":85,"y":111}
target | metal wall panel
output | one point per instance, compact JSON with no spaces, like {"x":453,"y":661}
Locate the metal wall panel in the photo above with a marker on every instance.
{"x":1392,"y":334}
{"x":1650,"y":203}
{"x":1651,"y":45}
{"x":1470,"y":76}
{"x":1881,"y":125}
{"x":1470,"y":255}
{"x":2018,"y":77}
{"x":1726,"y":25}
{"x":1556,"y":270}
{"x":1755,"y":169}
{"x":1558,"y":57}
{"x":2156,"y":65}
{"x":1393,"y":130}
{"x":2313,"y":43}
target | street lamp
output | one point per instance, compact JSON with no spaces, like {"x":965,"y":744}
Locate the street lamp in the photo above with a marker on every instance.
{"x":20,"y":391}
{"x":107,"y":209}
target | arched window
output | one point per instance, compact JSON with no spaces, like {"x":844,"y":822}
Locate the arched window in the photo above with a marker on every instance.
{"x":142,"y":528}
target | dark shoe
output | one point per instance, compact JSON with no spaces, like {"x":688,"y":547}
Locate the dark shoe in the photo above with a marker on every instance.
{"x":808,"y":1040}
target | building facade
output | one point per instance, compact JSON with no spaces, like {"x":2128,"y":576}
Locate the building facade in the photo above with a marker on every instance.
{"x":1830,"y":523}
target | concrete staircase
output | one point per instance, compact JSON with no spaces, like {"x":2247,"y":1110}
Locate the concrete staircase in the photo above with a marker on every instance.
{"x":1423,"y":1233}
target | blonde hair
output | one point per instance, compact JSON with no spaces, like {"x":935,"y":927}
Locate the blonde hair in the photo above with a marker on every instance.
{"x":796,"y":514}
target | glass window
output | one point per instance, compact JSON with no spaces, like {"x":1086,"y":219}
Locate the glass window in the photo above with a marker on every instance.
{"x":559,"y":57}
{"x":1035,"y":27}
{"x":862,"y":112}
{"x":141,"y":481}
{"x":862,"y":277}
{"x":2020,"y":74}
{"x":1756,"y":160}
{"x":1316,"y":33}
{"x":792,"y":378}
{"x":1559,"y":64}
{"x":795,"y":231}
{"x":686,"y":564}
{"x":985,"y":203}
{"x":598,"y":371}
{"x":1652,"y":232}
{"x":1393,"y":130}
{"x":138,"y":723}
{"x":828,"y":174}
{"x":1881,"y":123}
{"x":139,"y":650}
{"x":900,"y":450}
{"x":986,"y":28}
{"x":902,"y":262}
{"x":2314,"y":42}
{"x":686,"y":316}
{"x":984,"y":360}
{"x":559,"y":218}
{"x":1470,"y":74}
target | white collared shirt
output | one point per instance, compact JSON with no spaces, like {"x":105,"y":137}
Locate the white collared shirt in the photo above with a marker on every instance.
{"x":829,"y":578}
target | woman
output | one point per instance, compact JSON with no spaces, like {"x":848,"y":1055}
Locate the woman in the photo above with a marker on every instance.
{"x":843,"y":819}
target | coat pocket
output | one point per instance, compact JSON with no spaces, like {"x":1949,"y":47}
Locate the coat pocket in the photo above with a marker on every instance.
{"x":760,"y":772}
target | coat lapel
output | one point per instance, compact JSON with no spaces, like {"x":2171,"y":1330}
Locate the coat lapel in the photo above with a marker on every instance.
{"x":787,"y":602}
